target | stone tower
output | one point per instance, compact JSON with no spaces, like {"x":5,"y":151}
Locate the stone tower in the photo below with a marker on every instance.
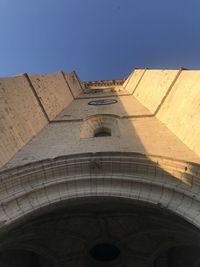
{"x":103,"y":173}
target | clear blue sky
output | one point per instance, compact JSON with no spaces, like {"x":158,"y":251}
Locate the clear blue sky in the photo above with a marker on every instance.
{"x":100,"y":39}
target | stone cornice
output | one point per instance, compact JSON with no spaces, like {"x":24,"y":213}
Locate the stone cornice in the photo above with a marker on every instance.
{"x":103,"y":83}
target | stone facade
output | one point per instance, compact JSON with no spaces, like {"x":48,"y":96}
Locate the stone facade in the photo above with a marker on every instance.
{"x":111,"y":167}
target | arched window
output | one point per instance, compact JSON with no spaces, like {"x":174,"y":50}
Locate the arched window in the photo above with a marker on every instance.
{"x":101,"y":125}
{"x":102,"y":132}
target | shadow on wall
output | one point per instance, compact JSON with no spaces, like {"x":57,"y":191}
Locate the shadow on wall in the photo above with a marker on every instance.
{"x":119,"y":167}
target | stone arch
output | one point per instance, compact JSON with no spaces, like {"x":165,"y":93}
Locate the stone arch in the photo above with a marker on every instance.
{"x":101,"y":121}
{"x":34,"y":189}
{"x":165,"y":182}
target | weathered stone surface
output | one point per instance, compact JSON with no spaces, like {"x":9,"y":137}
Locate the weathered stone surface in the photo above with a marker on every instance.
{"x":74,"y":83}
{"x":174,"y":98}
{"x":53,"y":91}
{"x":181,"y":109}
{"x":153,"y":87}
{"x":133,"y":80}
{"x":71,"y":197}
{"x":27,"y":103}
{"x":21,"y":116}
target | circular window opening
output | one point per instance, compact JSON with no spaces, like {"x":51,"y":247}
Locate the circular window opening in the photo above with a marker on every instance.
{"x":103,"y":131}
{"x":100,"y":102}
{"x":105,"y":252}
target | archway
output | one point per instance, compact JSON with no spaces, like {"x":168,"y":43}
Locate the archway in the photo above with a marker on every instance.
{"x":103,"y":231}
{"x":140,"y":191}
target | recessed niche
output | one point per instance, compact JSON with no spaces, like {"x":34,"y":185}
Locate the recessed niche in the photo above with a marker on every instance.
{"x":102,"y":132}
{"x":100,"y":125}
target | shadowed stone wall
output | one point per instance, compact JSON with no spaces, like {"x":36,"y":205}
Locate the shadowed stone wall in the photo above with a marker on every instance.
{"x":28,"y":103}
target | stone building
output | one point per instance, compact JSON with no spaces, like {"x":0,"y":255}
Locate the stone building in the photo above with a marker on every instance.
{"x":101,"y":173}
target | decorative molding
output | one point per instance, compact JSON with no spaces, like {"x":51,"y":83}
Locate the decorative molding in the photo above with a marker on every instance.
{"x":103,"y":83}
{"x":171,"y":184}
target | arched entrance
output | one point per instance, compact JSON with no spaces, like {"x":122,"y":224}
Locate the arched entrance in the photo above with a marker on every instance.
{"x":141,"y":211}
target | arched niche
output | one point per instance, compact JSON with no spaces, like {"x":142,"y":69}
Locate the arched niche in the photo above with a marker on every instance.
{"x":102,"y":123}
{"x":36,"y":189}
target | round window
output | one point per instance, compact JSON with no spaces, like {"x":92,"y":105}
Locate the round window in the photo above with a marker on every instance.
{"x":103,"y":102}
